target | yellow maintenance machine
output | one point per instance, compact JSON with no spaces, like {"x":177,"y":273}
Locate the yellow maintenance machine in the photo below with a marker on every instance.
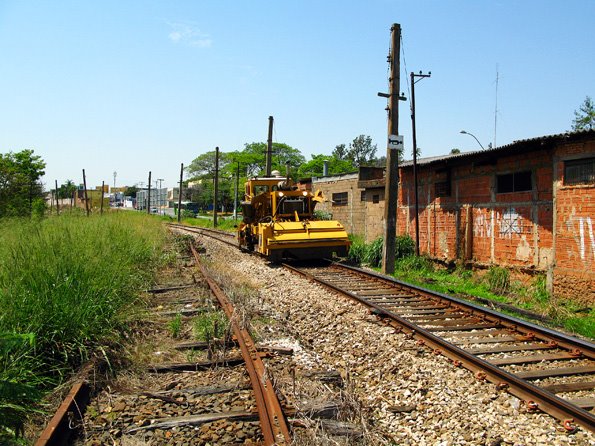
{"x":278,"y":221}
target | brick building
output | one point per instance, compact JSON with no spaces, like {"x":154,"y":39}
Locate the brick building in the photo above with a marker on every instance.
{"x":528,"y":205}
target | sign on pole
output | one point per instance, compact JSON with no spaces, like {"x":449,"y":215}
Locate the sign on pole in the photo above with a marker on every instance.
{"x":395,"y":142}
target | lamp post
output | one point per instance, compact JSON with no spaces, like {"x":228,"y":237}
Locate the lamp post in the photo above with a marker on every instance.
{"x":471,"y":134}
{"x":413,"y":82}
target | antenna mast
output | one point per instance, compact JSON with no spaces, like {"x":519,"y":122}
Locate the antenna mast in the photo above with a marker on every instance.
{"x":496,"y":108}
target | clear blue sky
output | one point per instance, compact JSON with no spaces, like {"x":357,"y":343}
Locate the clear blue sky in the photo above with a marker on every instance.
{"x":133,"y":86}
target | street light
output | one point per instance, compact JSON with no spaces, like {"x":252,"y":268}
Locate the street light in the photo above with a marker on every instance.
{"x":471,"y":134}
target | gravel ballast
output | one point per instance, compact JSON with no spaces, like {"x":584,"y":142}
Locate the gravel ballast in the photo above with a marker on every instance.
{"x":407,"y":394}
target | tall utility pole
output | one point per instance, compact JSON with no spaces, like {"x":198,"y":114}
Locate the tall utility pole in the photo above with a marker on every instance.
{"x":216,"y":187}
{"x":102,"y":191}
{"x":57,"y":204}
{"x":149,"y":194}
{"x":391,"y":192}
{"x":269,"y":148}
{"x":413,"y":82}
{"x":237,"y":191}
{"x":180,"y":193}
{"x":160,"y":195}
{"x":115,"y":175}
{"x":86,"y":196}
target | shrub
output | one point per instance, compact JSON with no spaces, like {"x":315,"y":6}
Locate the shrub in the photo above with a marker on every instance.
{"x":404,"y":246}
{"x":373,"y":254}
{"x":498,"y":279}
{"x":357,"y":249}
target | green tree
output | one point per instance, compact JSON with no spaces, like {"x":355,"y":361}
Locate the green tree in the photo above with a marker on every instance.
{"x":584,"y":118}
{"x":315,"y":166}
{"x":340,"y":152}
{"x":252,"y":158}
{"x":203,"y":166}
{"x":361,"y":150}
{"x":66,"y":189}
{"x":21,"y":192}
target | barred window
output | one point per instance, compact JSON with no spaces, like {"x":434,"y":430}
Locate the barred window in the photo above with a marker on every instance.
{"x":579,"y":171}
{"x":514,"y":182}
{"x":340,"y":199}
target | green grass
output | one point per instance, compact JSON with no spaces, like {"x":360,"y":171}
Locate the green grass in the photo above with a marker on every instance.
{"x":175,"y":326}
{"x":210,"y":325}
{"x":69,"y":283}
{"x":223,"y":223}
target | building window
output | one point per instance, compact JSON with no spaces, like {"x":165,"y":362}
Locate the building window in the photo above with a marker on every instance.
{"x":579,"y":171}
{"x":514,"y":182}
{"x":340,"y":199}
{"x":442,"y":184}
{"x":376,"y":198}
{"x":363,"y":196}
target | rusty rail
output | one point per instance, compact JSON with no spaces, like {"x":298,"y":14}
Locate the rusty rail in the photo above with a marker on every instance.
{"x":272,"y":419}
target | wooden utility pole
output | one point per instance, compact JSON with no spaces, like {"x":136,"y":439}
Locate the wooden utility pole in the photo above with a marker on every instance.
{"x":391,"y":192}
{"x":149,"y":195}
{"x":269,"y":148}
{"x":237,"y":192}
{"x":216,"y":187}
{"x":57,"y":205}
{"x":101,"y":205}
{"x":414,"y":134}
{"x":85,"y":188}
{"x":180,"y":193}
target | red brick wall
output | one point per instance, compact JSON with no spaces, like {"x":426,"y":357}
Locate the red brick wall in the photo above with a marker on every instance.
{"x":574,"y":271}
{"x":513,"y":229}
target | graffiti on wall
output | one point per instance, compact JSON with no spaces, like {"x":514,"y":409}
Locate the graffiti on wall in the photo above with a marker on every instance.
{"x":582,"y":230}
{"x":482,"y":224}
{"x":510,"y":223}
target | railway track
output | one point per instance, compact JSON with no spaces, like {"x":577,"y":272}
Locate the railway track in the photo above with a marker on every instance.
{"x":549,"y":370}
{"x":181,"y":400}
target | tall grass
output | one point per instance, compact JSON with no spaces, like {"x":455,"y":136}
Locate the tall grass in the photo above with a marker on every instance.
{"x":67,"y":282}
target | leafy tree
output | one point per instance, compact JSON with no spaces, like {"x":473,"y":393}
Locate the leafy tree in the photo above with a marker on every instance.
{"x":361,"y":150}
{"x":252,"y":158}
{"x":340,"y":152}
{"x":315,"y":166}
{"x":132,"y":190}
{"x":455,"y":151}
{"x":66,"y":189}
{"x":20,"y":189}
{"x":584,"y":118}
{"x":203,"y":166}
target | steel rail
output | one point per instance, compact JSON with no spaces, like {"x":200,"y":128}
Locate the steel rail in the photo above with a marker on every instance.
{"x":564,"y":340}
{"x":535,"y":396}
{"x":272,"y":419}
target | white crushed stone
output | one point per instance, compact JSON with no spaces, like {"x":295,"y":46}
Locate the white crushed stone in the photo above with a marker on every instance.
{"x":387,"y":369}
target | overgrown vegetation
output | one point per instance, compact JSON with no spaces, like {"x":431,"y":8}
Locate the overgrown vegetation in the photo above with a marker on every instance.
{"x":210,"y":325}
{"x":495,"y":284}
{"x":66,"y":287}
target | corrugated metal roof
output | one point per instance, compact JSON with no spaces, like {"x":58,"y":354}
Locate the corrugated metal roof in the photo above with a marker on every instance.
{"x":529,"y":143}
